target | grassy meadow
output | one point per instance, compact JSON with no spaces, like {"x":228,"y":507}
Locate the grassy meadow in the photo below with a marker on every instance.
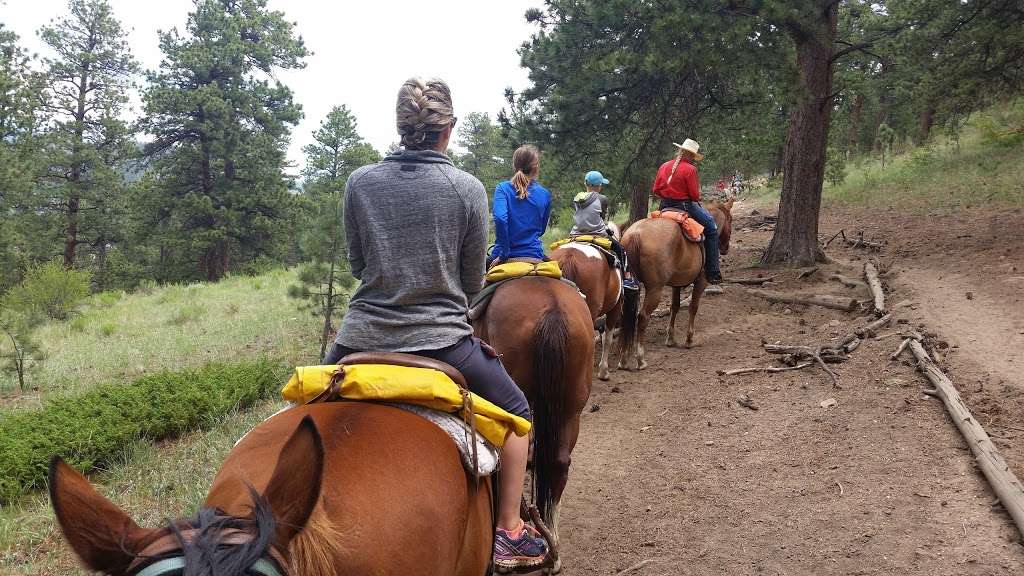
{"x":118,"y":336}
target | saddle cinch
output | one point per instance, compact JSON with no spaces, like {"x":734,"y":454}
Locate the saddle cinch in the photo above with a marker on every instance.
{"x":692,"y":230}
{"x":429,"y":388}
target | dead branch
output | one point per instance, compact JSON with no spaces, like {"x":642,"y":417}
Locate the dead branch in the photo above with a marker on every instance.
{"x":824,"y":300}
{"x":803,"y":352}
{"x":769,"y":369}
{"x":837,"y":235}
{"x":991,"y":463}
{"x":751,"y":281}
{"x":806,"y":273}
{"x":636,"y":566}
{"x":875,"y":285}
{"x":848,"y":282}
{"x":869,"y":329}
{"x":902,"y":347}
{"x":860,"y":242}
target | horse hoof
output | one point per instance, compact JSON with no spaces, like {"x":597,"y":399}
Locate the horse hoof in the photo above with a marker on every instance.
{"x":641,"y":365}
{"x":604,"y":376}
{"x":689,"y":344}
{"x":671,"y":343}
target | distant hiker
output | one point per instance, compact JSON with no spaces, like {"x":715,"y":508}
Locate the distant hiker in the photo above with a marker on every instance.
{"x":522,"y":209}
{"x":591,"y":217}
{"x":678,"y":187}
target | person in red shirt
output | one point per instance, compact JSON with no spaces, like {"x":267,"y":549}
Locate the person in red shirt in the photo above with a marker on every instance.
{"x":678,"y":187}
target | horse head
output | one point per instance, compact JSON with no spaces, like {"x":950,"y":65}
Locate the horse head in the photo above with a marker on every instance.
{"x":213,"y":543}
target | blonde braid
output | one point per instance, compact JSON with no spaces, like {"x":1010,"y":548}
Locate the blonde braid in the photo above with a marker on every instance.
{"x":423,"y":111}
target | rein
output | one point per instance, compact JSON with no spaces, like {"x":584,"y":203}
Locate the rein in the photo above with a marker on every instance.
{"x":175,"y":565}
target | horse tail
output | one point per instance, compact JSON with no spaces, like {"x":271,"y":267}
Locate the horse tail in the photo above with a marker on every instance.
{"x":550,"y":377}
{"x":631,"y":299}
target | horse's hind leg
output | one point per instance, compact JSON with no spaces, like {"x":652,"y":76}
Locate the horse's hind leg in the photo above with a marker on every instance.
{"x":698,"y":290}
{"x":670,"y":334}
{"x":652,"y":297}
{"x":612,"y":320}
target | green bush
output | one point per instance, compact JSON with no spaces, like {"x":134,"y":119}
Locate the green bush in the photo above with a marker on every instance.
{"x":93,"y":429}
{"x":106,"y":299}
{"x":79,"y":324}
{"x":186,"y":314}
{"x":49,"y":290}
{"x":108,"y":328}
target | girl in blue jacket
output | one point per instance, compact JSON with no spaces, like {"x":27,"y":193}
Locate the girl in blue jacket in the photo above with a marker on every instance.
{"x":522,"y":208}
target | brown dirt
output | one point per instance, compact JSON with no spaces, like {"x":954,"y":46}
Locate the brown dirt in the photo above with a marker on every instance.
{"x":672,"y":470}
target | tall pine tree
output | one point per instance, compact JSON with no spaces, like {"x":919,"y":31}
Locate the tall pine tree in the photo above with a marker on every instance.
{"x":221,"y":124}
{"x":87,"y":86}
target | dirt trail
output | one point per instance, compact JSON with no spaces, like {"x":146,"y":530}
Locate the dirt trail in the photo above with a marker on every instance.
{"x":671,"y":469}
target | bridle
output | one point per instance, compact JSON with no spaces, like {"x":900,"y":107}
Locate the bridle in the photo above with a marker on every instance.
{"x":175,"y":565}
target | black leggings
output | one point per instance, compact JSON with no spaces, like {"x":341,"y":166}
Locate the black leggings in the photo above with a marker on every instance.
{"x":478,"y":362}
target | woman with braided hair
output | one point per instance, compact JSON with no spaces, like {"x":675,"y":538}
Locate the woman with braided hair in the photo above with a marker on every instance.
{"x":417,"y":237}
{"x":522,"y":209}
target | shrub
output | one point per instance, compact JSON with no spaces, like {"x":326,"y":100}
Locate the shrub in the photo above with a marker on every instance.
{"x":95,"y":428}
{"x":50,"y":291}
{"x":187,"y":314}
{"x":106,"y":299}
{"x":108,"y":328}
{"x":79,"y":324}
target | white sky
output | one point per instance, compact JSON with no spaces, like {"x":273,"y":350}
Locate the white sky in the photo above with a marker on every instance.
{"x":362,"y":51}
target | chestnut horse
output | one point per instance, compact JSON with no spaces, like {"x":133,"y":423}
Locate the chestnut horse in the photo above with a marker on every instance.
{"x":319,"y":490}
{"x":588,"y":268}
{"x":660,"y":256}
{"x":543,"y":330}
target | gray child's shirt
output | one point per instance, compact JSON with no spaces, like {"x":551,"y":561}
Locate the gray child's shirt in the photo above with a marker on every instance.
{"x":416,"y":228}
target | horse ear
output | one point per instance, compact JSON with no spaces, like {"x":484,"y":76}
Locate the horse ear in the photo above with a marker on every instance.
{"x":103,"y":535}
{"x":294,"y":487}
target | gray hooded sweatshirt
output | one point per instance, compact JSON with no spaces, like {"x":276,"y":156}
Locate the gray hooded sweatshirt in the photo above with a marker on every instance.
{"x":417,"y":235}
{"x":591,"y":211}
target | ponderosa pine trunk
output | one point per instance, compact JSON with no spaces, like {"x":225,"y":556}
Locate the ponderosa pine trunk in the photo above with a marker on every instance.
{"x":795,"y":241}
{"x":927,"y":120}
{"x":853,"y":139}
{"x":639,"y":201}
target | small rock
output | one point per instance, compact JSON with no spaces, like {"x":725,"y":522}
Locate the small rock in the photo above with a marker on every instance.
{"x":895,"y":382}
{"x":745,"y":401}
{"x":970,"y":295}
{"x":903,"y":304}
{"x":829,"y":403}
{"x":616,"y":390}
{"x":595,"y":407}
{"x":709,"y":443}
{"x":787,"y":311}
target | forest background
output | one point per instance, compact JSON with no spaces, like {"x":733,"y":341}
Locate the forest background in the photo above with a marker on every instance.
{"x":195,"y":185}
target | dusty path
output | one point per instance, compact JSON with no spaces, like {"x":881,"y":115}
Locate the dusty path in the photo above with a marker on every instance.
{"x":672,"y":470}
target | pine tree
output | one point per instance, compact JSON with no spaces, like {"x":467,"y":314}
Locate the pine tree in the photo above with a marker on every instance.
{"x":336,"y":151}
{"x":221,"y":123}
{"x":86,"y":91}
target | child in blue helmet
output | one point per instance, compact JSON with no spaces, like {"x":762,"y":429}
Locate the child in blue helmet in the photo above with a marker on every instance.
{"x":591,"y":218}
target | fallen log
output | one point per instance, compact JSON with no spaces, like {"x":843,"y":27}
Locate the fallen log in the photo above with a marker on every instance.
{"x":869,"y":329}
{"x":807,"y":273}
{"x":825,"y":300}
{"x":875,"y":285}
{"x":1004,"y":482}
{"x":753,"y":281}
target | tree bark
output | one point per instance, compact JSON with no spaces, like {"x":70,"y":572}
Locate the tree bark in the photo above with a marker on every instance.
{"x":795,"y":241}
{"x":825,"y":300}
{"x":882,"y":117}
{"x":639,"y":201}
{"x":927,"y":120}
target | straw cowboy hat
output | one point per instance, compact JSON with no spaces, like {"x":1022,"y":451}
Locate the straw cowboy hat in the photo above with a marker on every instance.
{"x":692,"y":147}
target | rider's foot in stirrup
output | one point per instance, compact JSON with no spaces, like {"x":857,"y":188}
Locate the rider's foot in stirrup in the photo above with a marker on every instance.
{"x":517,"y":549}
{"x":630,"y":283}
{"x":714,"y":278}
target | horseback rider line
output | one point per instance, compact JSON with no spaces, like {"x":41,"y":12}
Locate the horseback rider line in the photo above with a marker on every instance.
{"x":522,"y":210}
{"x":416,"y":228}
{"x":678,"y":187}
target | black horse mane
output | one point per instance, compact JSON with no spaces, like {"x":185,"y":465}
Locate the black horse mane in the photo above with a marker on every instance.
{"x":206,"y":555}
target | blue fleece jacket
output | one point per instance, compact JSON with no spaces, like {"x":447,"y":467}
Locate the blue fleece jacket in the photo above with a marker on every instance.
{"x":519,"y":224}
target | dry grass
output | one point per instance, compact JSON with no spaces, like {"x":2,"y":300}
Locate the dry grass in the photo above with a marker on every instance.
{"x":119,"y":337}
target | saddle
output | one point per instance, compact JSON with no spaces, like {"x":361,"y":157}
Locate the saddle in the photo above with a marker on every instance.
{"x":508,"y":272}
{"x":602,"y":243}
{"x":692,"y":230}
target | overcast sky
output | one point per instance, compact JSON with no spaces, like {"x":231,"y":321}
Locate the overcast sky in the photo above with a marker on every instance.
{"x":362,"y":51}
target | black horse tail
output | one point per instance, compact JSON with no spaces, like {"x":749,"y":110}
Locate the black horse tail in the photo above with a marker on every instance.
{"x":550,"y":375}
{"x":631,"y":298}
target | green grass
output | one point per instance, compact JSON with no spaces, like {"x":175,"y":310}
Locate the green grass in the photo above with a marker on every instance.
{"x":151,"y":482}
{"x":120,"y":337}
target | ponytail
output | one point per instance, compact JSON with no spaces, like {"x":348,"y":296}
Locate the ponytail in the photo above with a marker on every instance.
{"x":679,"y":158}
{"x":526,"y":160}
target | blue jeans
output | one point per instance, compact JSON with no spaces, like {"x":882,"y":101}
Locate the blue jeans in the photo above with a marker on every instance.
{"x":705,"y":219}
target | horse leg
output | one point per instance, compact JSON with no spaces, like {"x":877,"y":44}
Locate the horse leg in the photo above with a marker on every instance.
{"x":698,"y":290}
{"x":652,"y":297}
{"x":606,"y":343}
{"x":670,"y":334}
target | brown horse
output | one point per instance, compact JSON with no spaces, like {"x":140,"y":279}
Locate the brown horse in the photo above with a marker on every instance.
{"x":660,"y":256}
{"x":587,"y":266}
{"x":319,"y":490}
{"x":545,"y":334}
